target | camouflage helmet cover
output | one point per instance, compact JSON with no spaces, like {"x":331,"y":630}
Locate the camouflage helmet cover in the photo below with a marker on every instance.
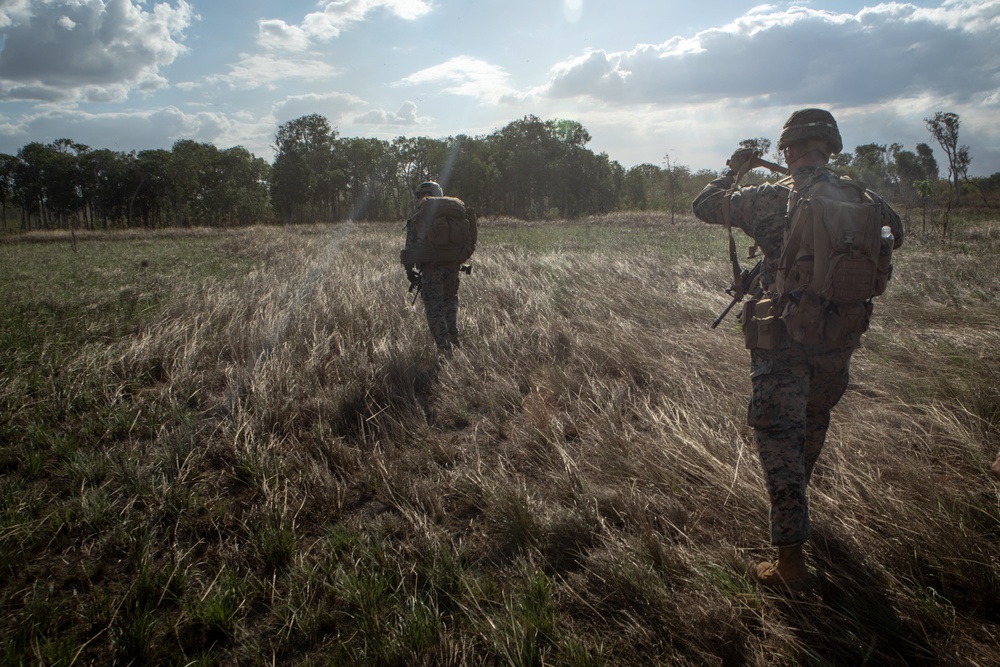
{"x":811,"y":124}
{"x":429,"y":188}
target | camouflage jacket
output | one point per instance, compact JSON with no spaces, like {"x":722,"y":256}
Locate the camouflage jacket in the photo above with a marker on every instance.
{"x":760,"y":210}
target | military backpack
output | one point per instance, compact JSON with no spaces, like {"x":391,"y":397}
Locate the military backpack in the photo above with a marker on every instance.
{"x":834,"y":260}
{"x":445,"y":232}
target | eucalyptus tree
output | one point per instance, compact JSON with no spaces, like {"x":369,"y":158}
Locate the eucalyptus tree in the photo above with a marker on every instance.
{"x":448,"y":157}
{"x":64,"y":181}
{"x":151,"y":199}
{"x":47,"y":180}
{"x":642,"y":187}
{"x":569,"y":132}
{"x":607,"y":184}
{"x":227,"y":189}
{"x":367,"y":168}
{"x":189,"y":176}
{"x":302,"y":173}
{"x":8,"y":163}
{"x":842,"y":161}
{"x":544,"y":168}
{"x":239,"y":193}
{"x":474,"y":175}
{"x":763,"y":145}
{"x":291,"y":186}
{"x":419,"y":159}
{"x":107,"y":183}
{"x":913,"y":169}
{"x":574,"y":184}
{"x":410,"y":163}
{"x":582,"y":182}
{"x":926,"y":156}
{"x":944,"y":127}
{"x":28,"y":187}
{"x":872,"y":166}
{"x":524,"y":152}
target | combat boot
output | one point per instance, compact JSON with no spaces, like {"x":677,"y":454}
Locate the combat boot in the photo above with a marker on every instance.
{"x":788,"y":572}
{"x":453,"y":336}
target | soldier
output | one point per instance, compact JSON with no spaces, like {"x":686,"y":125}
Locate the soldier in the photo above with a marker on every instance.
{"x":438,"y":281}
{"x":794,"y":384}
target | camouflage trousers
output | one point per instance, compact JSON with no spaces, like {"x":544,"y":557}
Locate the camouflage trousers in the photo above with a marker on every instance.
{"x":439,"y":292}
{"x":793,"y":390}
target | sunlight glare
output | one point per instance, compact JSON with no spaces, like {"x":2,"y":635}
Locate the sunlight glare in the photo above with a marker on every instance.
{"x":573,"y":10}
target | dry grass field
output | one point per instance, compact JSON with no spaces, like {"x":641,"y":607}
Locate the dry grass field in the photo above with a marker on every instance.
{"x":239,"y":448}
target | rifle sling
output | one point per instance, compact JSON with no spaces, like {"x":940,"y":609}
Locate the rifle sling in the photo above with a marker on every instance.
{"x":737,"y":289}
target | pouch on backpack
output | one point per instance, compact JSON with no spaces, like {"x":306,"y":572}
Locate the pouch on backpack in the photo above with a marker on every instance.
{"x":761,"y":328}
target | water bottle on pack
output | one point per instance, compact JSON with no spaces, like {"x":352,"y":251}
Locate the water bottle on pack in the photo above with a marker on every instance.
{"x":884,"y":260}
{"x":887,"y":240}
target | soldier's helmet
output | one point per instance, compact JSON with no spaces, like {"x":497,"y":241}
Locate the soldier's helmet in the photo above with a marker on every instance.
{"x":429,"y":188}
{"x":811,"y":124}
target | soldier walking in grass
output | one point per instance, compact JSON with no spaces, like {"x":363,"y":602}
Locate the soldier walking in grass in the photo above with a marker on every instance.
{"x":810,"y":304}
{"x":440,"y":236}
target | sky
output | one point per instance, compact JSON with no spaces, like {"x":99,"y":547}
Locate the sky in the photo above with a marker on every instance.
{"x":653,"y":81}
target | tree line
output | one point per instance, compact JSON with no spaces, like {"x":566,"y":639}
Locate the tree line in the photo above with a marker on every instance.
{"x":65,"y":184}
{"x":529,"y":169}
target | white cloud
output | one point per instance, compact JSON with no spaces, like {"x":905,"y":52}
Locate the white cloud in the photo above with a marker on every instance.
{"x":333,"y":106}
{"x":593,"y":70}
{"x":114,"y":44}
{"x":265,"y":71}
{"x":14,"y":11}
{"x":406,"y":116}
{"x":694,"y":95}
{"x":780,"y":57}
{"x":467,"y":76}
{"x":276,"y":34}
{"x":111,"y":94}
{"x":336,"y":16}
{"x":131,"y":130}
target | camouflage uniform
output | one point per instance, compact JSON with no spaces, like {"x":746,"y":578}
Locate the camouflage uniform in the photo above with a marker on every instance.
{"x":794,"y":385}
{"x":439,"y":292}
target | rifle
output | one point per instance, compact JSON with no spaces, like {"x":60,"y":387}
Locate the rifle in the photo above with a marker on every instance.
{"x":757,"y":161}
{"x":739,"y":291}
{"x":416,"y":283}
{"x":417,"y":280}
{"x":742,"y":279}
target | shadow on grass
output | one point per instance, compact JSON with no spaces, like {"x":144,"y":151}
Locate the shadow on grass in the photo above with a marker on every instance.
{"x":392,"y":403}
{"x":848,"y":619}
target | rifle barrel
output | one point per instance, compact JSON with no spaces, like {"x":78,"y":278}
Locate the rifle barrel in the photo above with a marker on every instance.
{"x":725,"y":312}
{"x":776,"y":168}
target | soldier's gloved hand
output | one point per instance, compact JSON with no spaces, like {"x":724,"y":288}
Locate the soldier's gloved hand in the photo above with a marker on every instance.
{"x":740,"y":160}
{"x":413,"y":277}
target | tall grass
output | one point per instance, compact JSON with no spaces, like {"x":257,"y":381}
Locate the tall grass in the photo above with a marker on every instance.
{"x":239,"y":448}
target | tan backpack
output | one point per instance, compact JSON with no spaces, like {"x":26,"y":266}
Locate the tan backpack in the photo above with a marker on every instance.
{"x":833,"y":262}
{"x":446,"y":232}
